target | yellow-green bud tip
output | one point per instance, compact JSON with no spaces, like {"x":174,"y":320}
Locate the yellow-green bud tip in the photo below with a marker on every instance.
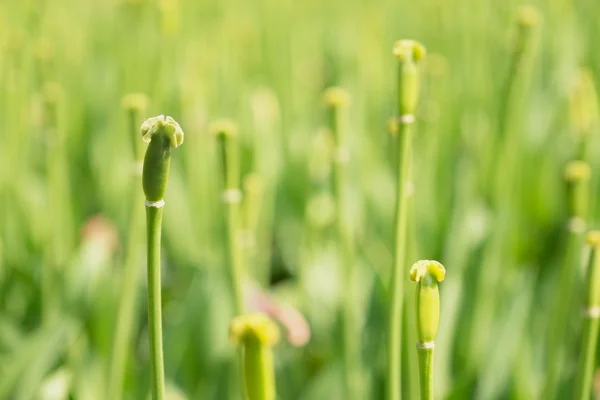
{"x":577,"y":171}
{"x":528,"y":16}
{"x":336,"y":97}
{"x":593,"y":238}
{"x":392,"y":125}
{"x":424,"y":267}
{"x":162,"y":125}
{"x":406,"y":50}
{"x":135,"y":102}
{"x":223,"y":127}
{"x":254,"y":326}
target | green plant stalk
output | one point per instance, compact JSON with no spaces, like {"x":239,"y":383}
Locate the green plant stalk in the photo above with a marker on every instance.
{"x":231,"y":168}
{"x":589,"y":337}
{"x":125,"y":324}
{"x":154,"y":224}
{"x":410,"y":363}
{"x":60,"y":236}
{"x":427,"y":274}
{"x":259,"y":381}
{"x":251,"y":215}
{"x":577,"y":174}
{"x":426,"y":372}
{"x":337,"y":99}
{"x":256,"y":334}
{"x":162,"y":133}
{"x":397,"y":288}
{"x":408,"y":53}
{"x":267,"y":161}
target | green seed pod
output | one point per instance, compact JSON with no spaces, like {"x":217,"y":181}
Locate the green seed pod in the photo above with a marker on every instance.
{"x":427,"y":274}
{"x":409,"y":53}
{"x":162,"y":133}
{"x":592,"y":298}
{"x":226,"y":132}
{"x":528,"y":19}
{"x":577,"y":177}
{"x":257,"y":334}
{"x":583,"y":105}
{"x":336,"y":97}
{"x":135,"y":102}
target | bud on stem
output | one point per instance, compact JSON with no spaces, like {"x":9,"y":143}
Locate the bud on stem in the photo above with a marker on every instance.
{"x":427,"y":274}
{"x":256,"y":334}
{"x":577,"y":178}
{"x":162,"y":133}
{"x":591,"y":315}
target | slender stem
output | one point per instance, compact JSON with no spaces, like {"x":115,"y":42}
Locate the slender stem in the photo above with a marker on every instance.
{"x":427,"y":274}
{"x":154,"y":223}
{"x":232,"y":197}
{"x":338,"y":99}
{"x":127,"y":305}
{"x":162,"y":133}
{"x":426,"y":372}
{"x":587,"y":358}
{"x":559,"y":318}
{"x":397,"y":284}
{"x":125,"y":324}
{"x":577,"y":175}
{"x":256,"y":334}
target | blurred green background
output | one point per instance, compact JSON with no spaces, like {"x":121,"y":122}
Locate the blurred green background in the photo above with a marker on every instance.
{"x":492,"y":137}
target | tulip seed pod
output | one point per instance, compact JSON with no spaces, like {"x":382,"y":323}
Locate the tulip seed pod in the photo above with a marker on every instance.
{"x":427,"y":274}
{"x":256,"y":334}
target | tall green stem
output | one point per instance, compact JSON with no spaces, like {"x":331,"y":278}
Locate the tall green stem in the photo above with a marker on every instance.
{"x":256,"y":334}
{"x":154,"y":223}
{"x":426,"y":372}
{"x":232,"y":196}
{"x":427,"y":274}
{"x":337,"y":99}
{"x":162,"y":133}
{"x":408,"y":53}
{"x":125,"y":324}
{"x":589,"y":337}
{"x":577,"y":175}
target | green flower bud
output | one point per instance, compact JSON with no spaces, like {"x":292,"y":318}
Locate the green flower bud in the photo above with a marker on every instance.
{"x":427,"y":274}
{"x":135,"y":102}
{"x":409,"y":53}
{"x":577,"y":177}
{"x":162,"y":133}
{"x":336,"y":97}
{"x":257,"y":334}
{"x":528,"y":19}
{"x":583,"y":105}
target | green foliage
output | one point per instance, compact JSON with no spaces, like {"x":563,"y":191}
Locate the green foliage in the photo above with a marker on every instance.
{"x":507,"y":97}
